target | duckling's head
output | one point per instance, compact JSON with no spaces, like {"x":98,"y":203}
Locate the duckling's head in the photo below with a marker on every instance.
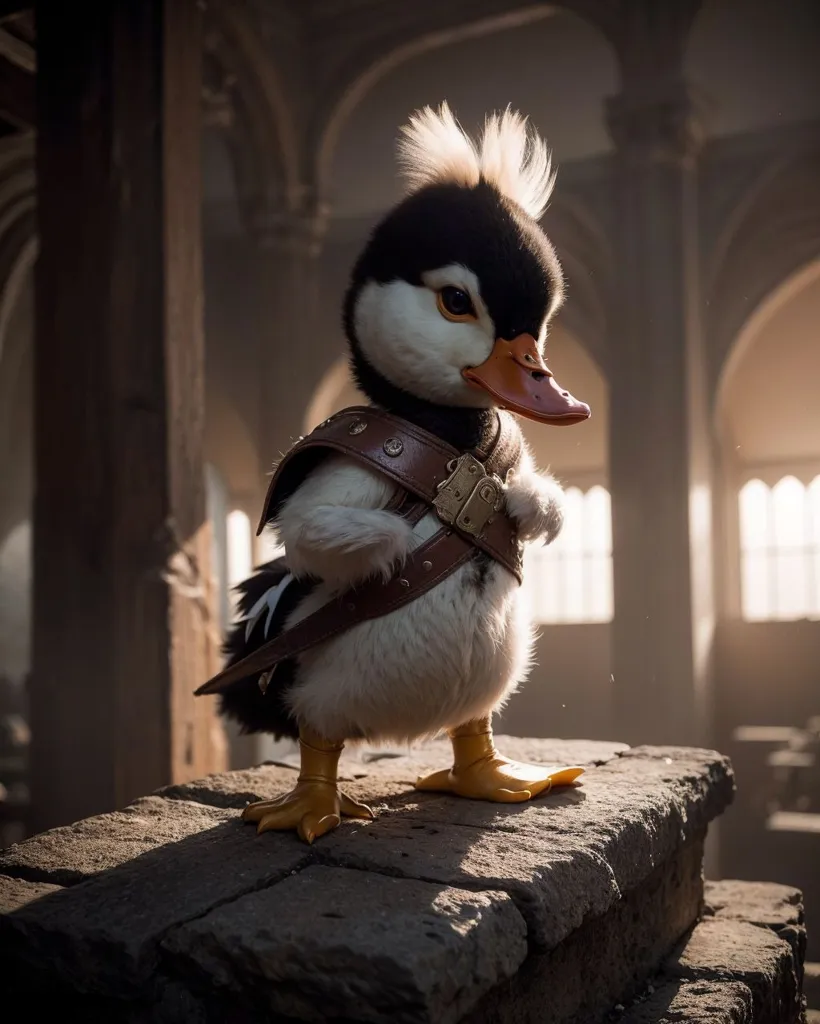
{"x":451,"y":299}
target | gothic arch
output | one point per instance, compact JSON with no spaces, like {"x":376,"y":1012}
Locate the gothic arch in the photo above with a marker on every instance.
{"x":423,"y":27}
{"x":249,"y":103}
{"x":776,"y":299}
{"x":772,"y":232}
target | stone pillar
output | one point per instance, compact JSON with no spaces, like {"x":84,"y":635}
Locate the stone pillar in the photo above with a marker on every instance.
{"x":123,"y":607}
{"x":660,"y":461}
{"x":289,"y":246}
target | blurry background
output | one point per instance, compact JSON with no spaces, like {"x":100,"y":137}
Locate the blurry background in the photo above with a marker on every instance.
{"x":682,"y":603}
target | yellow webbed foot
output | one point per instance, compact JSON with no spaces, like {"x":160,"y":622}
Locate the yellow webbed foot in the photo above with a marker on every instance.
{"x":500,"y":780}
{"x":316,"y":805}
{"x":312,"y":808}
{"x":479,"y":772}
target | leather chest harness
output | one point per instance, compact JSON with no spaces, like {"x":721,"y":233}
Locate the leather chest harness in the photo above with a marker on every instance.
{"x":465,"y":490}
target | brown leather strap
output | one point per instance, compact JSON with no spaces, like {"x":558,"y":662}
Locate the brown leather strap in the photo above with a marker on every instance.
{"x":418,"y":462}
{"x":430,"y":563}
{"x":413,"y":458}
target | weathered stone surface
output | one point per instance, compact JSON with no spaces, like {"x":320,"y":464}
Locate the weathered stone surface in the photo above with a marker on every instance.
{"x":607,"y":959}
{"x":332,"y":943}
{"x":764,"y":903}
{"x":64,"y":856}
{"x":16,"y":893}
{"x":698,"y":1002}
{"x":578,"y":866}
{"x":377,"y":775}
{"x":732,"y":968}
{"x":103,"y":935}
{"x":562,"y":858}
{"x":726,"y":950}
{"x":779,"y":907}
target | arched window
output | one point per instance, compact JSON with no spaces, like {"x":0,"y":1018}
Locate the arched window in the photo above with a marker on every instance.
{"x":780,"y":549}
{"x":570,"y":580}
{"x":240,"y":547}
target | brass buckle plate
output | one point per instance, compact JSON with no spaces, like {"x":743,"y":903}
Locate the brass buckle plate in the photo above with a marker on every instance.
{"x":469,"y":497}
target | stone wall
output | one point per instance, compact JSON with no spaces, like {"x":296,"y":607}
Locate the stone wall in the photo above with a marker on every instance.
{"x":572,"y":909}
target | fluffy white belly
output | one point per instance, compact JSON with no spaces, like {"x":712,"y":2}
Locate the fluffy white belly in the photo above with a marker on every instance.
{"x":452,"y":655}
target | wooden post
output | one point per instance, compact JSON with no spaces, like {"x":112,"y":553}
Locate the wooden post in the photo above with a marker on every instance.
{"x":123,"y":614}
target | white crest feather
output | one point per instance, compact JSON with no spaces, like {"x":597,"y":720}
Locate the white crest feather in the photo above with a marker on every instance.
{"x":435,"y":149}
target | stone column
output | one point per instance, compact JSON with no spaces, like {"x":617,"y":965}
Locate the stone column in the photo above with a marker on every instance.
{"x":289,"y":249}
{"x":660,"y":462}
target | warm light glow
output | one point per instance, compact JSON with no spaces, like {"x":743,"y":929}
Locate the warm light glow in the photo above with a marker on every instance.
{"x":780,"y":549}
{"x":571,"y":579}
{"x":240,"y":547}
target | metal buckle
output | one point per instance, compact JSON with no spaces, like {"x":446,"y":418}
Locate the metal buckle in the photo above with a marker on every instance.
{"x":469,"y":498}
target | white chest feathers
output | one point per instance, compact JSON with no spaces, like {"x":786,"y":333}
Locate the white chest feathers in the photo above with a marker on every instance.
{"x":452,"y":655}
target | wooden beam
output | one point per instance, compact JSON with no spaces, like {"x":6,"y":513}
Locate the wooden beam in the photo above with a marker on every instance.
{"x":17,"y":100}
{"x":123,"y":623}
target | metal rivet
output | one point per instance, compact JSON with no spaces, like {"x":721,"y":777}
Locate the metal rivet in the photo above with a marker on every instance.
{"x":427,"y":566}
{"x":393,"y":447}
{"x":351,"y":607}
{"x":405,"y":583}
{"x":357,"y":427}
{"x":264,"y":681}
{"x":472,"y":469}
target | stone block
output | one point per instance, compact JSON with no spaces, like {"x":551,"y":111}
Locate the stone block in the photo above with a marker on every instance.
{"x":16,"y":893}
{"x":331,"y":943}
{"x":562,"y":858}
{"x":73,"y":853}
{"x":739,"y":965}
{"x":779,"y":907}
{"x":695,"y":1002}
{"x":727,"y":950}
{"x":175,"y":910}
{"x":103,"y":935}
{"x":608,"y":959}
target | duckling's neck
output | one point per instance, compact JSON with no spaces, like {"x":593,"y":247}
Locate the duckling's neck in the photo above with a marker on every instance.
{"x":462,"y":427}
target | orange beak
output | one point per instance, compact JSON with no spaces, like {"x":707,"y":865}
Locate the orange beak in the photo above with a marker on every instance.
{"x":519,"y":380}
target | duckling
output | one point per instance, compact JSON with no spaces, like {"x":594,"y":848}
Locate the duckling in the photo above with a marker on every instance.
{"x":446,"y":318}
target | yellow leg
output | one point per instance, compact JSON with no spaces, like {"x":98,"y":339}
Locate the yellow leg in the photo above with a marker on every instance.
{"x":481,"y":773}
{"x":316,"y":804}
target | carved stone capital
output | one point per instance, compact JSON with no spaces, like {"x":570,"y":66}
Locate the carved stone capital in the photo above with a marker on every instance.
{"x":297,"y":231}
{"x":657,"y":127}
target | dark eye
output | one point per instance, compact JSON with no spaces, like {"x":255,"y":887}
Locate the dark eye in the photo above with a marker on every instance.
{"x":456,"y":304}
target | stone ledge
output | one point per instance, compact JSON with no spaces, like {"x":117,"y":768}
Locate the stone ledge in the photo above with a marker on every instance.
{"x":767,"y":904}
{"x":356,"y":946}
{"x":158,"y":899}
{"x":734,"y":968}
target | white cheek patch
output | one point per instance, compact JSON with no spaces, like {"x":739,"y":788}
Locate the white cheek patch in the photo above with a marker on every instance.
{"x":405,"y":337}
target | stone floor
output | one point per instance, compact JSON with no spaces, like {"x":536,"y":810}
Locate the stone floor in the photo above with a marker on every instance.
{"x":442,"y":910}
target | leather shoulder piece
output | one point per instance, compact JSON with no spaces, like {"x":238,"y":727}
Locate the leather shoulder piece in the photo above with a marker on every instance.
{"x":408,"y":455}
{"x":464,"y":489}
{"x":456,"y":485}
